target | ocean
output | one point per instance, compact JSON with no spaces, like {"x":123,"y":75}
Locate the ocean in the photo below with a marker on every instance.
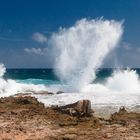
{"x":48,"y":77}
{"x":111,"y":87}
{"x":33,"y":76}
{"x":79,"y":53}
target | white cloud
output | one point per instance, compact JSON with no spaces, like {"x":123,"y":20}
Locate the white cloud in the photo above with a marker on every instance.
{"x":34,"y":50}
{"x":38,"y":37}
{"x":127,"y":46}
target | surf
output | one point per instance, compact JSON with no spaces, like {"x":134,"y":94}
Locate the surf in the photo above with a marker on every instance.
{"x":79,"y":52}
{"x":81,"y":49}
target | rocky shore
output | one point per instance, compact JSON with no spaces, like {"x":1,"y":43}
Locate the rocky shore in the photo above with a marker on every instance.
{"x":24,"y":118}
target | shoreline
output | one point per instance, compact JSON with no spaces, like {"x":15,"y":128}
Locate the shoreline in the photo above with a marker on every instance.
{"x":26,"y":118}
{"x":101,"y":110}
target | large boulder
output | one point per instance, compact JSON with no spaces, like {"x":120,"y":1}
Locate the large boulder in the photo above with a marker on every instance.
{"x":79,"y":108}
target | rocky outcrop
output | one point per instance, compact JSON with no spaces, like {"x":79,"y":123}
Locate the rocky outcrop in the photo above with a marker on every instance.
{"x":20,"y":102}
{"x":59,"y":92}
{"x":30,"y":93}
{"x":23,"y":118}
{"x":79,"y":108}
{"x":43,"y":93}
{"x":123,"y":116}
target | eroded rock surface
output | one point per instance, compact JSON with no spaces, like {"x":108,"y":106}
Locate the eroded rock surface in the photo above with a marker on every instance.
{"x":79,"y":108}
{"x":24,"y":118}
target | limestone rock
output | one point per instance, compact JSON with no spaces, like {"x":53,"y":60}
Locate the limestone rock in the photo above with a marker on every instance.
{"x":59,"y":92}
{"x":79,"y":108}
{"x":43,"y":93}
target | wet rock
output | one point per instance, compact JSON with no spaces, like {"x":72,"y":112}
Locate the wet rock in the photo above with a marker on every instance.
{"x":59,"y":92}
{"x":43,"y":93}
{"x":23,"y":94}
{"x":79,"y":108}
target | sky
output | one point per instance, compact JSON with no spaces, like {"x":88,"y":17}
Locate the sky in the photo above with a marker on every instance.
{"x":26,"y":25}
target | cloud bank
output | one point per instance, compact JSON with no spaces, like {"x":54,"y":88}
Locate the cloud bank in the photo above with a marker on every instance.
{"x":38,"y":37}
{"x":34,"y":51}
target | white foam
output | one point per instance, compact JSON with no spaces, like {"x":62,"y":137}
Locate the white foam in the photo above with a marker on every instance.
{"x":121,"y":88}
{"x":81,"y":49}
{"x":124,"y":81}
{"x":115,"y":91}
{"x":2,"y":70}
{"x":121,"y":81}
{"x":10,"y":87}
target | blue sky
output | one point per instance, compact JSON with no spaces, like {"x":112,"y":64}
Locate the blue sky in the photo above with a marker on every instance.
{"x":24,"y":24}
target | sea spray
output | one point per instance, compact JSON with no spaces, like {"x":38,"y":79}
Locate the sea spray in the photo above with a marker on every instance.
{"x":126,"y":81}
{"x":10,"y":87}
{"x":2,"y":70}
{"x":81,"y":49}
{"x":79,"y":52}
{"x":122,"y":88}
{"x":122,"y":81}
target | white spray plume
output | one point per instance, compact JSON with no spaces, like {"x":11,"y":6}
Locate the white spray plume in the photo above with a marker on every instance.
{"x":2,"y":70}
{"x":125,"y":81}
{"x":82,"y":48}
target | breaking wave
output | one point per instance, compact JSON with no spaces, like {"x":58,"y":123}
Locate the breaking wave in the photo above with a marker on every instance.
{"x":79,"y":51}
{"x":10,"y":87}
{"x":82,"y":48}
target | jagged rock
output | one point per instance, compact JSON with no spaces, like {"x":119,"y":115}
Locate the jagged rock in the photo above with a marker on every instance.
{"x":59,"y":92}
{"x":43,"y":93}
{"x":122,"y":110}
{"x":20,"y":102}
{"x":26,"y":118}
{"x":25,"y":100}
{"x":33,"y":92}
{"x":79,"y":108}
{"x":23,"y":94}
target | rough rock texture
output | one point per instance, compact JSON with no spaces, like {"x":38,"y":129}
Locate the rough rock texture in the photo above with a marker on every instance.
{"x":59,"y":92}
{"x":33,"y":93}
{"x":43,"y":93}
{"x":80,"y":108}
{"x":24,"y":118}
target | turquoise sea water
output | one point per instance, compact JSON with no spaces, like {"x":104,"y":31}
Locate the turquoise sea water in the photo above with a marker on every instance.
{"x":121,"y":89}
{"x":34,"y":76}
{"x":47,"y":76}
